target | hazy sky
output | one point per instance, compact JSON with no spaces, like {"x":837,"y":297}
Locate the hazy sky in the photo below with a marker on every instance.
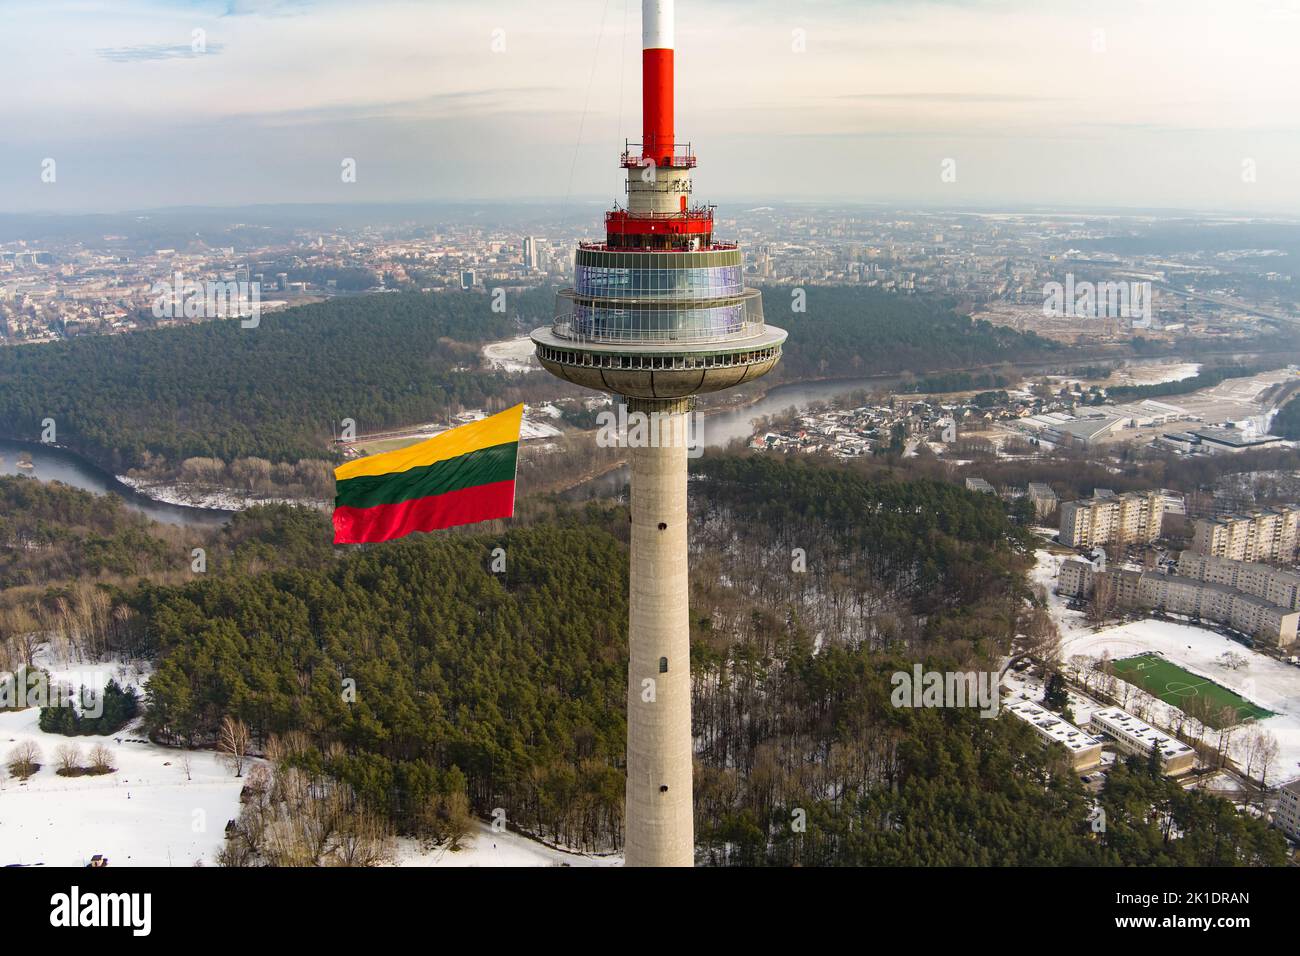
{"x":1147,"y":103}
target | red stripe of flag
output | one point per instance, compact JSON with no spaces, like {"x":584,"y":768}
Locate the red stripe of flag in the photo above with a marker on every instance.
{"x":385,"y":522}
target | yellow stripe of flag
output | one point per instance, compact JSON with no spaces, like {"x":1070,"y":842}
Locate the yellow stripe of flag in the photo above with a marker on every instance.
{"x":497,"y":429}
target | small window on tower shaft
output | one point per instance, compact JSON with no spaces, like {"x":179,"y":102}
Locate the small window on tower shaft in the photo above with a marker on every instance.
{"x":663,"y":665}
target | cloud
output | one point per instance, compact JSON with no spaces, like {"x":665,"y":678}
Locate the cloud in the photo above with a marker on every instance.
{"x":148,"y":52}
{"x":268,"y":8}
{"x":952,"y":97}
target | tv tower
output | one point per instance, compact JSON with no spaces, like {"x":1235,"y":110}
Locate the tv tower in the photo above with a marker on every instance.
{"x":659,"y":313}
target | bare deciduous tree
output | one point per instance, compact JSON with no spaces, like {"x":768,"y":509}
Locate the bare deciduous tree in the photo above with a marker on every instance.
{"x":101,"y":759}
{"x":1268,"y":753}
{"x":68,"y":757}
{"x":233,"y":744}
{"x":24,"y":759}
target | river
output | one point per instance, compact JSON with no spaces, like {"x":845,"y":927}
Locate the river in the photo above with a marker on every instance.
{"x":57,"y":464}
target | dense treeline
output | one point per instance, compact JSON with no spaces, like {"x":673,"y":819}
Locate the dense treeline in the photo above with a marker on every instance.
{"x":930,"y":539}
{"x":1206,"y":378}
{"x":848,"y":331}
{"x":417,"y":659}
{"x":1287,"y":422}
{"x":959,"y":382}
{"x":276,"y":392}
{"x":103,"y":712}
{"x":50,"y":532}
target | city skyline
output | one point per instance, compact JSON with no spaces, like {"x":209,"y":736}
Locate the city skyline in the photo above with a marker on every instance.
{"x":953,"y":103}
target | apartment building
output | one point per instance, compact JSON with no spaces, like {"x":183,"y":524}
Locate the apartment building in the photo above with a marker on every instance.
{"x":1287,"y":815}
{"x":1132,"y":518}
{"x":1262,"y":580}
{"x":1270,"y":534}
{"x":1084,"y":749}
{"x":1175,"y":594}
{"x":1138,"y":738}
{"x":1043,"y":497}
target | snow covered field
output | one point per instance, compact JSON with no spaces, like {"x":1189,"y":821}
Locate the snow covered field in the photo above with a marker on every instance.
{"x":151,"y":812}
{"x":1156,"y":373}
{"x":512,"y":355}
{"x":497,"y":849}
{"x":147,"y":813}
{"x":1261,"y":679}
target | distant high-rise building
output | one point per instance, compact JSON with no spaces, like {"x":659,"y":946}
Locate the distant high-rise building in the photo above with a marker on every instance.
{"x":467,"y":279}
{"x":530,"y":253}
{"x":1132,"y":518}
{"x":1269,"y":535}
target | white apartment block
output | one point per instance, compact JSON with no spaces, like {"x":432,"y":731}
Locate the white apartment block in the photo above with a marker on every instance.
{"x":1132,"y":518}
{"x":1270,"y":534}
{"x":1262,"y":580}
{"x":1221,"y":603}
{"x":1043,"y":497}
{"x":1137,"y":737}
{"x":1287,"y":815}
{"x":1084,"y":749}
{"x":1176,"y":594}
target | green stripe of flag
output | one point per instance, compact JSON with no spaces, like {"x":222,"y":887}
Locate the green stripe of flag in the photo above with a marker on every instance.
{"x":482,"y":467}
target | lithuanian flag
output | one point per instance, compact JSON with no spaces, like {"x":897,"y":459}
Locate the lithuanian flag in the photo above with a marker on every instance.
{"x":459,"y":477}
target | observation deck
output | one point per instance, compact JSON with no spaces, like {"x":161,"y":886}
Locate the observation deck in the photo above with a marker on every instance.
{"x":658,"y":324}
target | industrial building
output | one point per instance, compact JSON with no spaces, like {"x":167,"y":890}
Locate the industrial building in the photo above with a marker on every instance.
{"x":1084,"y":749}
{"x":1132,"y":518}
{"x":1228,"y":441}
{"x":1084,"y":431}
{"x":1269,"y":534}
{"x":1138,"y":738}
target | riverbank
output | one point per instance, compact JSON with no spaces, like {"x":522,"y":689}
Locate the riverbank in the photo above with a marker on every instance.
{"x":211,"y":499}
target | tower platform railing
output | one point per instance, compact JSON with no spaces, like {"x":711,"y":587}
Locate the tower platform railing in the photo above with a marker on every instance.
{"x":566,"y":328}
{"x":634,"y":156}
{"x":603,"y":246}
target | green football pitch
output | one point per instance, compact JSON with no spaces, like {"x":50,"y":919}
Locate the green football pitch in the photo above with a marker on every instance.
{"x":1175,"y":686}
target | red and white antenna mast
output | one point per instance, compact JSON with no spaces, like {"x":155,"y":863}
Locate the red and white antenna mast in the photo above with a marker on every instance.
{"x":657,"y":141}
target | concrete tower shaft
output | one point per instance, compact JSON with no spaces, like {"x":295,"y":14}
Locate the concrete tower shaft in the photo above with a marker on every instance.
{"x":659,"y":801}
